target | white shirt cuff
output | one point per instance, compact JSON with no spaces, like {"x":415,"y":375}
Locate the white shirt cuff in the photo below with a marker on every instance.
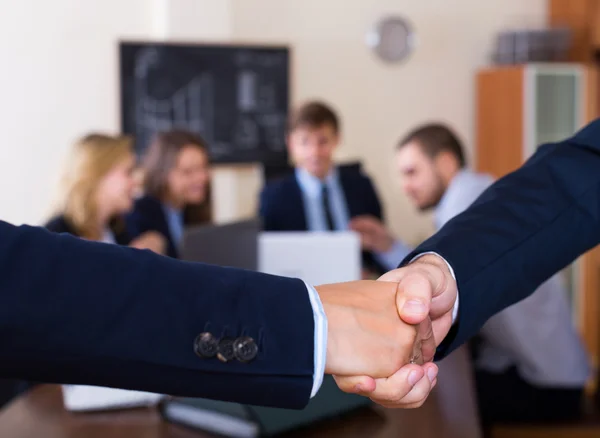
{"x":320,"y":342}
{"x":455,"y":309}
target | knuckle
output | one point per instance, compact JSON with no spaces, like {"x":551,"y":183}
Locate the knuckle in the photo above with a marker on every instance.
{"x":425,"y":333}
{"x":419,"y":273}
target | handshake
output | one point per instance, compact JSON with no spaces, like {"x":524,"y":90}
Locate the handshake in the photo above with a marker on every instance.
{"x":382,"y":335}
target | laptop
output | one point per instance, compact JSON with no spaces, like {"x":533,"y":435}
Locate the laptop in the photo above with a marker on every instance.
{"x":315,"y":257}
{"x":233,"y":244}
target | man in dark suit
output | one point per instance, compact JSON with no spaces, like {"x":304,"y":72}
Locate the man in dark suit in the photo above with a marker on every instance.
{"x":80,"y":312}
{"x":319,"y":196}
{"x":520,"y":231}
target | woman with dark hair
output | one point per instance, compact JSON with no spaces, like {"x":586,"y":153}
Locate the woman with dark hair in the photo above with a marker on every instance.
{"x":176,"y":192}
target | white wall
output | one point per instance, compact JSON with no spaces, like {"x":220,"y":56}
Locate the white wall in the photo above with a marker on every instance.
{"x":59,"y":77}
{"x":378,"y":103}
{"x":195,"y":19}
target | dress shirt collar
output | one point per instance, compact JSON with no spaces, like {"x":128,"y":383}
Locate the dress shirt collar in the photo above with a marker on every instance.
{"x":312,"y":185}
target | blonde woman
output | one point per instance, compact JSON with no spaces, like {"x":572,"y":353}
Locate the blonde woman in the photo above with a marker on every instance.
{"x":98,"y":188}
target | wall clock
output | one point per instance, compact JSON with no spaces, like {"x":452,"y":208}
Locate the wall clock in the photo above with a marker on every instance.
{"x":392,"y":39}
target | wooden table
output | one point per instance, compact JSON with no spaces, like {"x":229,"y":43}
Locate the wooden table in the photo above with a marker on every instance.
{"x":447,"y":414}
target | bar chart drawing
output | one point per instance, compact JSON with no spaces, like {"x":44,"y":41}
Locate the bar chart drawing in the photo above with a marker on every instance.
{"x":235,"y":97}
{"x":246,"y":91}
{"x":188,"y":107}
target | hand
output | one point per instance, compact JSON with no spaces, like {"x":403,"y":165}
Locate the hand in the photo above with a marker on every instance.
{"x":365,"y":334}
{"x":426,"y":289}
{"x":150,"y":240}
{"x":373,"y":234}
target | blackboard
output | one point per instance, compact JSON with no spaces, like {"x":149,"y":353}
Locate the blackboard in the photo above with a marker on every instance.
{"x":235,"y":97}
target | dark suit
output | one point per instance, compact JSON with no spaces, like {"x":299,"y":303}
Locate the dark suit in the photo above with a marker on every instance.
{"x":60,"y":224}
{"x":524,"y":228}
{"x":148,"y":214}
{"x":80,"y":312}
{"x":282,"y":206}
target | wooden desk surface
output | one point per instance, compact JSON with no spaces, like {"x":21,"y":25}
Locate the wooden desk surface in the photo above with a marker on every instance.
{"x":448,"y":413}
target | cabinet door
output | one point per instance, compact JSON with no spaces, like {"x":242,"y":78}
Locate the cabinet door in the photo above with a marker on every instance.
{"x":554,"y":104}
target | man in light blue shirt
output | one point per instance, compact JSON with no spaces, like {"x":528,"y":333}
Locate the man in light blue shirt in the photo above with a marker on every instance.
{"x":530,"y":352}
{"x":319,"y":196}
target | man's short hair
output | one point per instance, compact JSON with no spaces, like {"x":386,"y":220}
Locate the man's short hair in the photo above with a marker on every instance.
{"x":313,"y":115}
{"x":434,"y":138}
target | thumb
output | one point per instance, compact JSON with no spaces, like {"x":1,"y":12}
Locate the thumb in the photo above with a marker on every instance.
{"x":413,"y":297}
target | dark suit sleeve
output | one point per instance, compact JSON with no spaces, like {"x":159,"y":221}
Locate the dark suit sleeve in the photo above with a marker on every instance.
{"x":79,"y":312}
{"x":524,"y":228}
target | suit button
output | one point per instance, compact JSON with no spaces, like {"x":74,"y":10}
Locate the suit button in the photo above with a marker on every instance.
{"x":205,"y":345}
{"x":245,"y":349}
{"x":225,"y":350}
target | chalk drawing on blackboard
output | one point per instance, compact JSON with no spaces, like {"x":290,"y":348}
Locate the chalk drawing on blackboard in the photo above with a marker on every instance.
{"x":268,"y":97}
{"x":247,"y":90}
{"x":274,"y":128}
{"x":246,"y":133}
{"x":190,"y":106}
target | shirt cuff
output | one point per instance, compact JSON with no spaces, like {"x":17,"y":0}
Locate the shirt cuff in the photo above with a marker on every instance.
{"x":389,"y":259}
{"x":320,"y":338}
{"x":455,"y":308}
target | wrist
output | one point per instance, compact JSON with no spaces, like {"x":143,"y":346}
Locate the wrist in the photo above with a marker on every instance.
{"x":324,"y":292}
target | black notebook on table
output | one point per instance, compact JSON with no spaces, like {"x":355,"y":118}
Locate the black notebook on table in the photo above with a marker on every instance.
{"x":246,"y":421}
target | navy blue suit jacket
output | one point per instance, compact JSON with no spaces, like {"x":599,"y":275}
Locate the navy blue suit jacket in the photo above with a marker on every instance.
{"x":148,"y":215}
{"x":282,"y":206}
{"x":523,"y":229}
{"x":81,"y":312}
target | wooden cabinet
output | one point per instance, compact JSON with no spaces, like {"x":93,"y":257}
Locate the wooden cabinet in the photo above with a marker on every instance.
{"x":581,"y":16}
{"x":520,"y":108}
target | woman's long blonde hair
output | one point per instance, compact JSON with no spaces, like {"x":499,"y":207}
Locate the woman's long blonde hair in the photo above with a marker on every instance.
{"x":91,"y":159}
